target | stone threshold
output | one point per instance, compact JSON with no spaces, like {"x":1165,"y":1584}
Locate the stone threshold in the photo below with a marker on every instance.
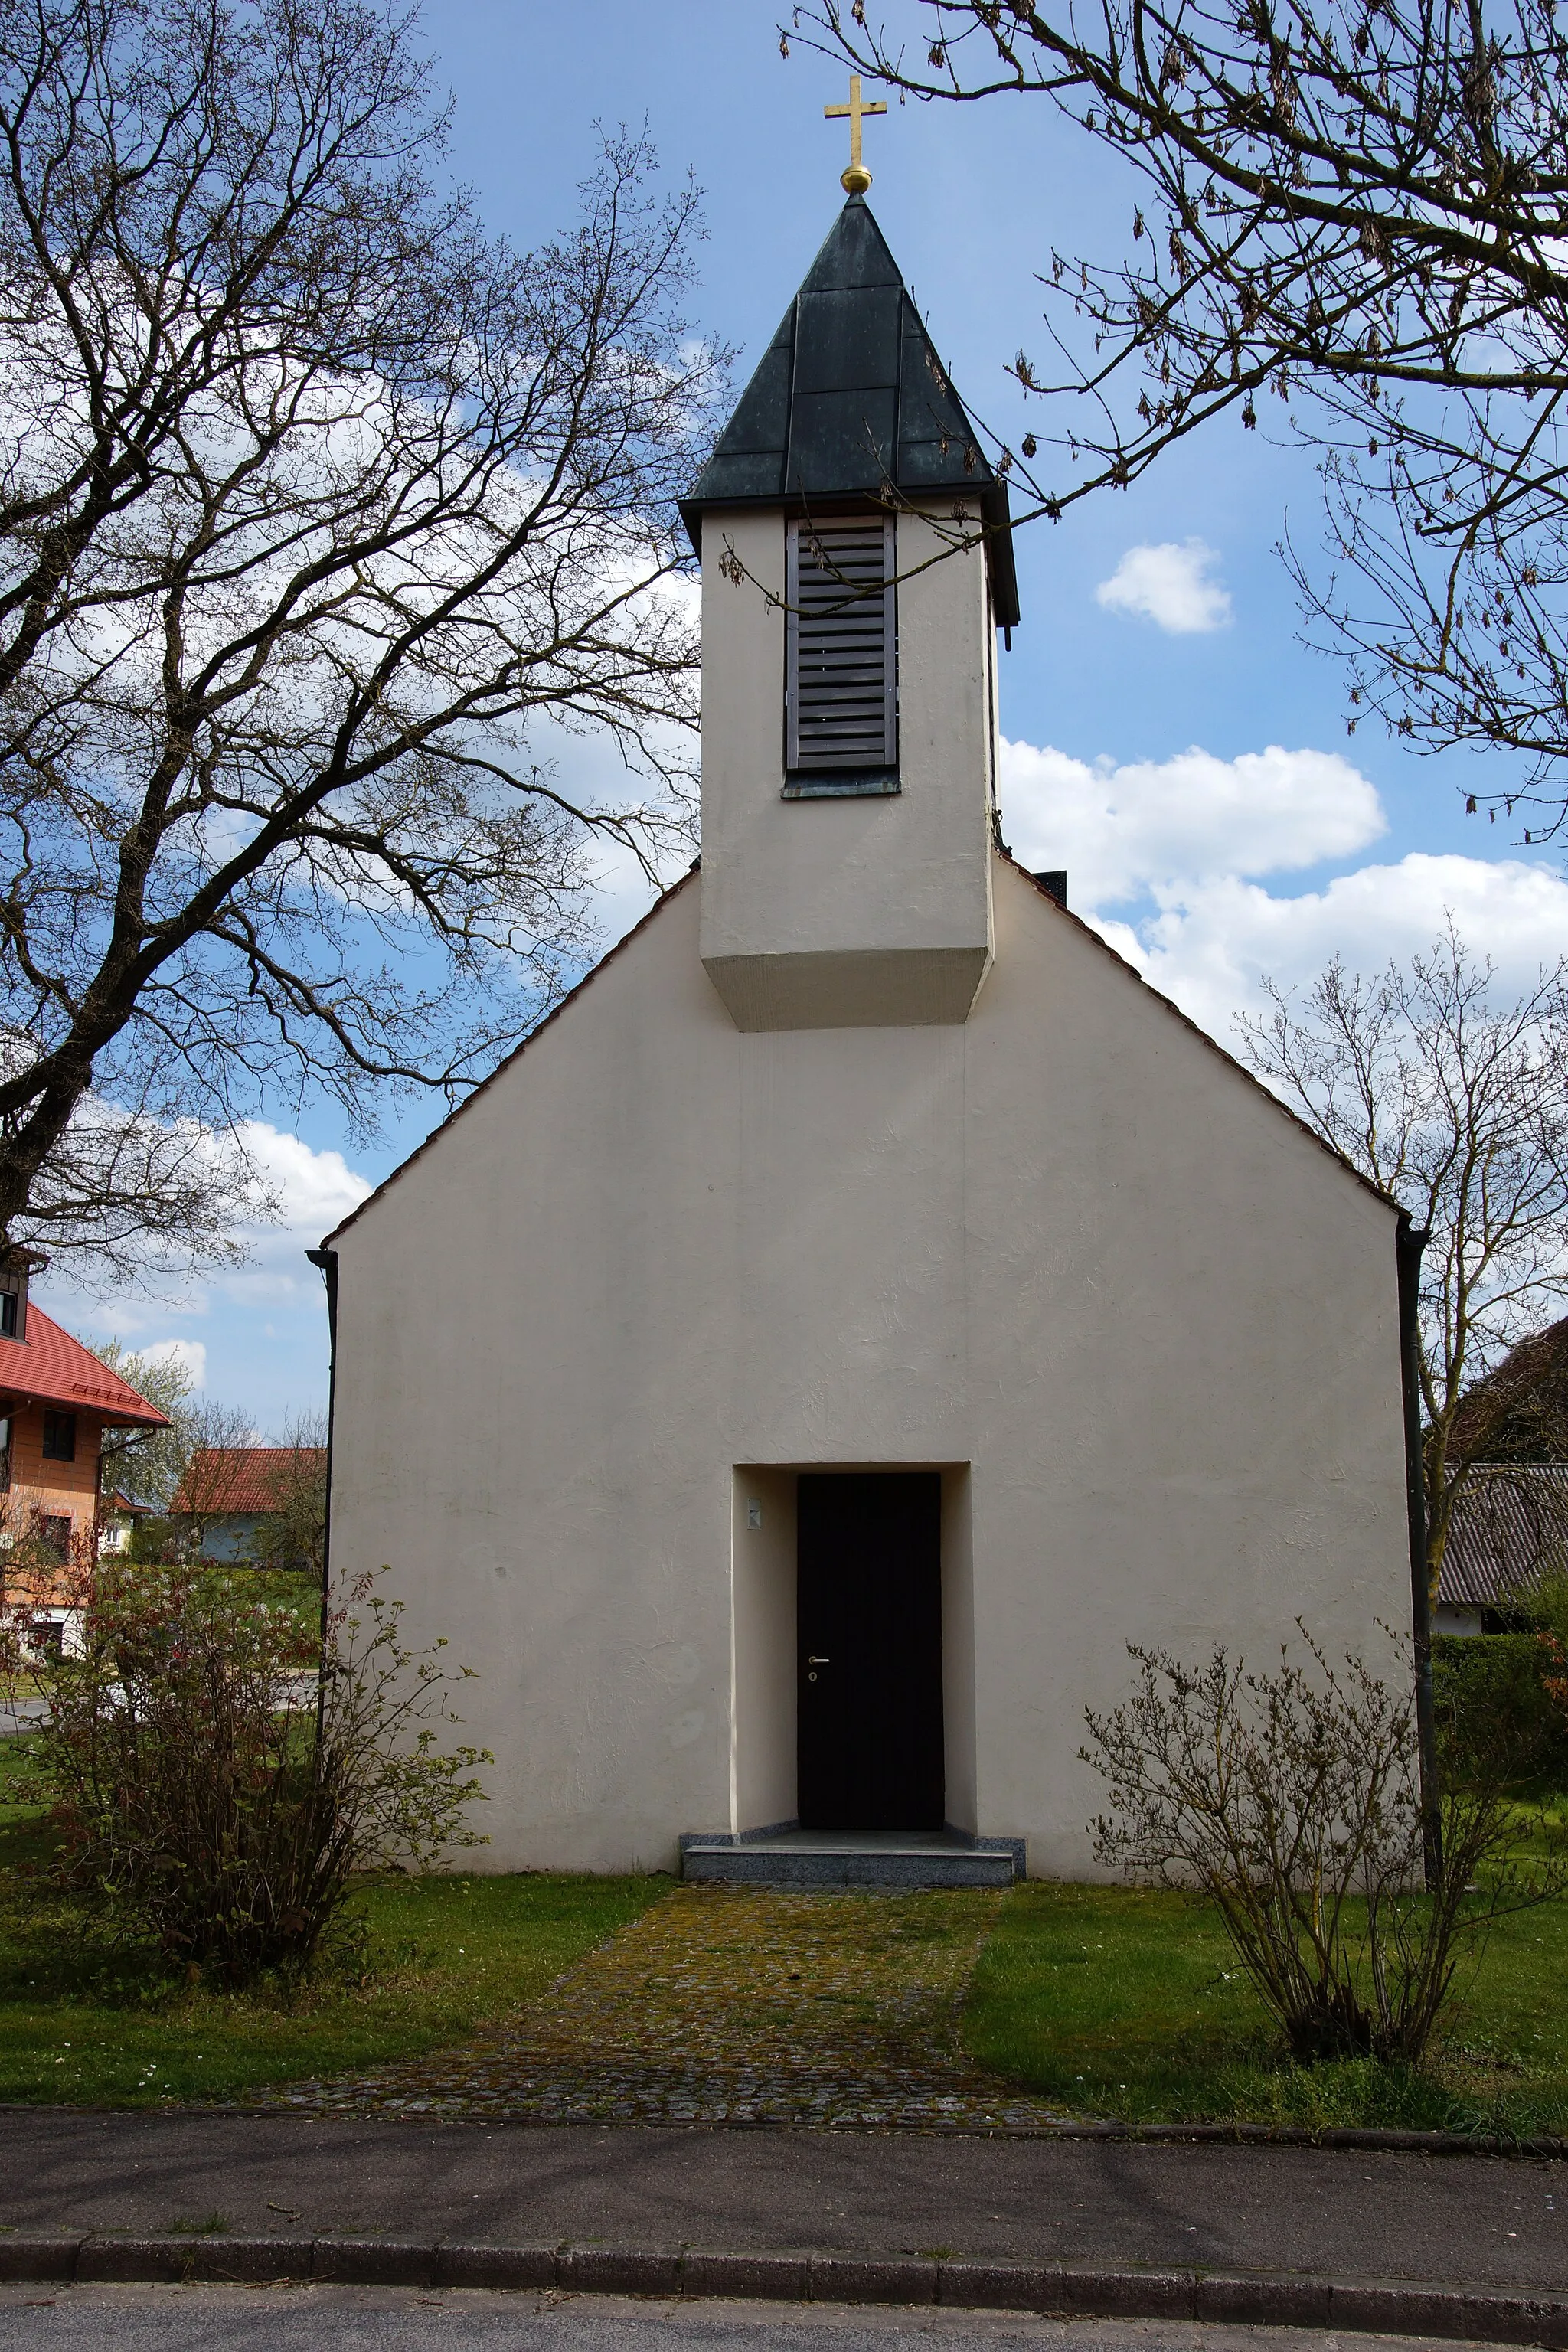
{"x":1381,"y":2307}
{"x":788,"y":1856}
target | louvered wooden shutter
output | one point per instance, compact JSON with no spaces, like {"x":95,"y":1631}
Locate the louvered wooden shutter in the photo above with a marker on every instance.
{"x":841,"y":715}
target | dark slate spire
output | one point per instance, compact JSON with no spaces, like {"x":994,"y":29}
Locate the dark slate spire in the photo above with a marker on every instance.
{"x":849,"y":397}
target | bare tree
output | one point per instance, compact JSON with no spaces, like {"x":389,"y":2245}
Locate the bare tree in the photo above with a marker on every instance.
{"x":1360,"y":207}
{"x":294,"y":1532}
{"x":316,"y":503}
{"x":1454,"y":1100}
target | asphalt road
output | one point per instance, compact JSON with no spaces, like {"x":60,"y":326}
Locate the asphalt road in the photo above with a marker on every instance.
{"x":398,"y":2319}
{"x":1478,"y":2221}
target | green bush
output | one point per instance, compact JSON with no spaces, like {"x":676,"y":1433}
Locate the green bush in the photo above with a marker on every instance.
{"x":215,"y":1778}
{"x":1491,"y":1699}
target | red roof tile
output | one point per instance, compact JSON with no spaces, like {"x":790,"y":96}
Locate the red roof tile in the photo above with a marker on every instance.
{"x":48,"y":1366}
{"x":243,"y":1477}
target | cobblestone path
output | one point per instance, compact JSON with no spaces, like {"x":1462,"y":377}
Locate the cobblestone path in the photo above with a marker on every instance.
{"x":729,"y":2005}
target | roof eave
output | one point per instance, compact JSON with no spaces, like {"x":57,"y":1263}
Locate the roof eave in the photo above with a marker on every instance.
{"x":111,"y":1416}
{"x":994,"y":512}
{"x":328,"y":1241}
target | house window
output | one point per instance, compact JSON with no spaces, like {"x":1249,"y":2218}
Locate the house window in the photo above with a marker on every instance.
{"x":7,"y":1314}
{"x":841,"y":712}
{"x":55,"y":1535}
{"x":59,"y":1437}
{"x":4,"y":1458}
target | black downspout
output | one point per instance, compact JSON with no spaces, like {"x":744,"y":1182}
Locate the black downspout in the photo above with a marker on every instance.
{"x":1409,"y":1242}
{"x":328,"y":1262}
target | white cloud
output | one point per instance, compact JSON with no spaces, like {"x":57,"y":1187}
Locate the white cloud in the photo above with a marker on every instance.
{"x":190,"y":1356}
{"x":623,"y":892}
{"x":311,"y":1191}
{"x":1121,"y":832}
{"x":1207,"y":944}
{"x":314,"y":1190}
{"x":1190,"y":837}
{"x":1171,"y":584}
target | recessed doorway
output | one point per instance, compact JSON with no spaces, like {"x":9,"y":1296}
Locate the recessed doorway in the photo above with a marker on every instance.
{"x":868,"y":1629}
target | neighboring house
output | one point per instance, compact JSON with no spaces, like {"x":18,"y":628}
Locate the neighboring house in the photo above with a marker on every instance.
{"x":864,"y":1306}
{"x":1508,"y":1530}
{"x":229,"y":1492}
{"x":55,"y":1402}
{"x":117,"y":1518}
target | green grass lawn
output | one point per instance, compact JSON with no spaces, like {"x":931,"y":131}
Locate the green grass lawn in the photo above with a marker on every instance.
{"x":84,"y":2024}
{"x":1126,"y":2002}
{"x":1110,"y":2000}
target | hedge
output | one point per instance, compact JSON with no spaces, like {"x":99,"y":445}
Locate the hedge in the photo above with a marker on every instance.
{"x":1491,"y":1693}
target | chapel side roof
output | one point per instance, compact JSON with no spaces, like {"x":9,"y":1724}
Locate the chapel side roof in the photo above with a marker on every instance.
{"x":48,"y":1366}
{"x":850,"y":399}
{"x":1240,"y":1069}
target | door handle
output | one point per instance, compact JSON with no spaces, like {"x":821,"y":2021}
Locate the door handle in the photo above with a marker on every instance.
{"x":819,"y":1662}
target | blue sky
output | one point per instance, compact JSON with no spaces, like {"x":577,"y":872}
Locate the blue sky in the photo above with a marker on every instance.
{"x":1170,"y":741}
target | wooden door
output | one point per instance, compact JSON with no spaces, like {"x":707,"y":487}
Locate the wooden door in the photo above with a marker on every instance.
{"x":868,"y":1612}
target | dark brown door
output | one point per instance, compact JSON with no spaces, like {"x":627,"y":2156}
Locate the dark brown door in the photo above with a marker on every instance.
{"x":869,"y":1611}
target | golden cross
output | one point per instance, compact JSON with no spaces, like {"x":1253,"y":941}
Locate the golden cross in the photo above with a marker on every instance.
{"x":856,"y":179}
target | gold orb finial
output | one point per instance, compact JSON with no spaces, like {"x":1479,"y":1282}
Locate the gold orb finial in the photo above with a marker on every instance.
{"x":856,"y":179}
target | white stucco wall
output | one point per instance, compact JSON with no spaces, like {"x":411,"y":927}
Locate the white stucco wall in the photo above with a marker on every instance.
{"x":1064,"y":1251}
{"x":833,"y":912}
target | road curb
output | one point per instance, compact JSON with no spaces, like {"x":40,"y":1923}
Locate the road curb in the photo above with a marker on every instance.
{"x":1539,"y":2148}
{"x":1383,"y":2307}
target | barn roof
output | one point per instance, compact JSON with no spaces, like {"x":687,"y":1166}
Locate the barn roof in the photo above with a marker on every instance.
{"x":48,"y":1366}
{"x":243,"y":1478}
{"x":850,"y":400}
{"x":1505,"y":1413}
{"x":1509,"y":1528}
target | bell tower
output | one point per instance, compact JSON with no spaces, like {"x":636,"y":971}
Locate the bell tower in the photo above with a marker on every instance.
{"x":856,"y":568}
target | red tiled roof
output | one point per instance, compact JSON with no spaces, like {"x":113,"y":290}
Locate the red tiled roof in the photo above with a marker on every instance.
{"x":48,"y":1366}
{"x":243,"y":1477}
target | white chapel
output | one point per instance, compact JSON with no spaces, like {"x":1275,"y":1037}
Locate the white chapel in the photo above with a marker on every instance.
{"x":863,"y":1306}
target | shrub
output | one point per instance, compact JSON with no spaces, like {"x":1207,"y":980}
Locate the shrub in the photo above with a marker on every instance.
{"x":217,"y":1774}
{"x":156,"y":1541}
{"x":1292,"y":1800}
{"x":1493,"y":1693}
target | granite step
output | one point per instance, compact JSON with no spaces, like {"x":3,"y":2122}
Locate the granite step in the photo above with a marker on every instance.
{"x":806,"y":1858}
